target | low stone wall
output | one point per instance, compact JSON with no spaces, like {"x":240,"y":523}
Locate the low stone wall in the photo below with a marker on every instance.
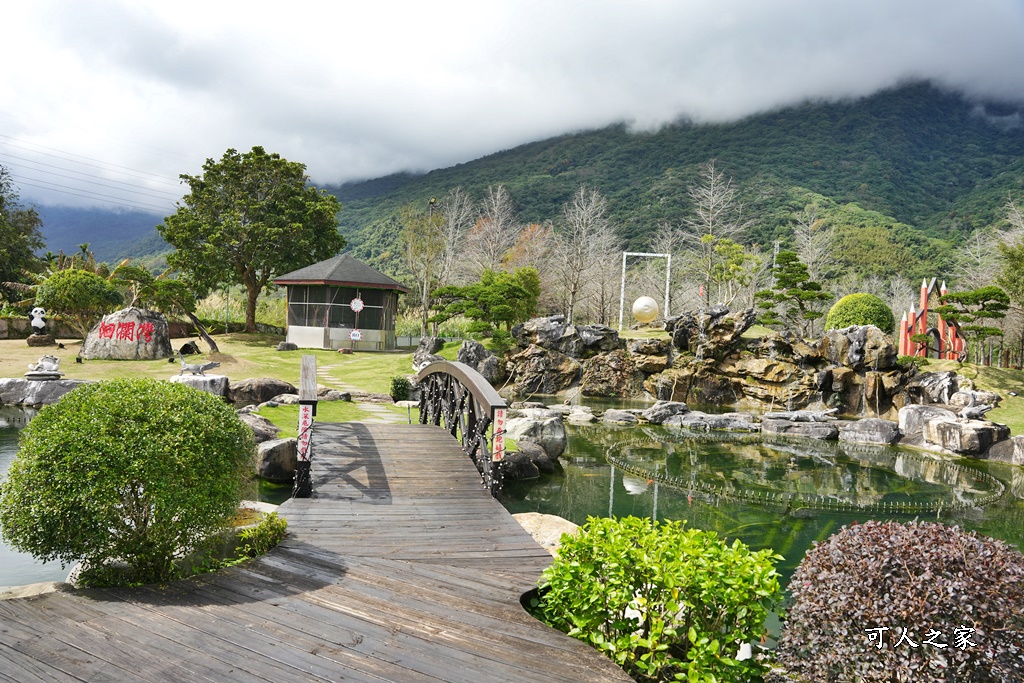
{"x":21,"y":328}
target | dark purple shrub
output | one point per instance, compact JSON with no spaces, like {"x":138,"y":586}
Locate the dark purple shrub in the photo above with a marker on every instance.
{"x":877,"y":602}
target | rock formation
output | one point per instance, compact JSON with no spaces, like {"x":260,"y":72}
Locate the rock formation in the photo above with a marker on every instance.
{"x":129,"y":334}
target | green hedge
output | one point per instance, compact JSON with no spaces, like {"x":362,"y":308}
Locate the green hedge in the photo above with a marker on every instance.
{"x":860,"y":309}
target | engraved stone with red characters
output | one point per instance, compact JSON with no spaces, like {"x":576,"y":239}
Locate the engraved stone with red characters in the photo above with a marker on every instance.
{"x":129,"y":334}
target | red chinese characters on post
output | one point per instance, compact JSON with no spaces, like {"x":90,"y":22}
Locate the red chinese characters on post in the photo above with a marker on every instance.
{"x":305,"y":430}
{"x":499,"y":434}
{"x":125,"y":332}
{"x":107,"y":330}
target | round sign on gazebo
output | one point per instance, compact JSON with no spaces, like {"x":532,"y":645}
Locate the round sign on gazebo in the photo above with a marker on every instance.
{"x":355,"y":335}
{"x":356,"y":305}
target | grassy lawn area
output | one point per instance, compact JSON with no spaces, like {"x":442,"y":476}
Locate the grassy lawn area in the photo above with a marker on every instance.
{"x":242,"y":356}
{"x":1000,"y":380}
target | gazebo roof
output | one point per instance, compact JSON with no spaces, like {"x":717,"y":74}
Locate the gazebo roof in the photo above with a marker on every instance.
{"x":343,"y":271}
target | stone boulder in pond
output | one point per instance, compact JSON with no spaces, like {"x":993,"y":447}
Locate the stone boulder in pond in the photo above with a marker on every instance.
{"x":276,"y":459}
{"x":541,"y":426}
{"x":218,"y":385}
{"x":262,"y":428}
{"x":869,"y":430}
{"x":129,"y":334}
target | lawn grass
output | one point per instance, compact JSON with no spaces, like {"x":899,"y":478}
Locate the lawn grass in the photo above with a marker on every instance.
{"x":1000,"y":380}
{"x":241,"y":356}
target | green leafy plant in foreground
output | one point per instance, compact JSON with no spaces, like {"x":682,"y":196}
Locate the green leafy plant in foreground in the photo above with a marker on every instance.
{"x":125,"y":475}
{"x":664,"y":602}
{"x":259,"y":539}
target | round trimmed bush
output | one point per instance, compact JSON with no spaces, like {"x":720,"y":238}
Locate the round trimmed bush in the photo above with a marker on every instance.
{"x":860,"y":309}
{"x":875,"y":601}
{"x":665,"y":602}
{"x":125,"y":475}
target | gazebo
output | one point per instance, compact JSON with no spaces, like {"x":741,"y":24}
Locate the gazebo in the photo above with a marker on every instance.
{"x":341,"y":303}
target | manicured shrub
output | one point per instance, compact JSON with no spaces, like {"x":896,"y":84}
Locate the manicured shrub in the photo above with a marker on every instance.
{"x":400,"y":387}
{"x":857,"y":594}
{"x":860,"y":309}
{"x":266,"y":535}
{"x":665,"y":602}
{"x":125,"y":475}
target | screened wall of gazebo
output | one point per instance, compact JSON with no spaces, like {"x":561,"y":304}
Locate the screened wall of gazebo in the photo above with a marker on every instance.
{"x":341,"y":303}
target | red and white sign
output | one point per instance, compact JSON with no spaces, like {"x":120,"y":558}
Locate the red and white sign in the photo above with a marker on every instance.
{"x":499,"y":434}
{"x":355,"y":335}
{"x":357,"y":304}
{"x":305,"y":430}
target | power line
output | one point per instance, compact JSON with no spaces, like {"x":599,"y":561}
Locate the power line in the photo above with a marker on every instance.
{"x":105,"y":164}
{"x":123,"y":185}
{"x":108,"y":199}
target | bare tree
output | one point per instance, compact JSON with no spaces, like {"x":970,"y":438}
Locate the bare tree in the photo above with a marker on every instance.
{"x":586,"y":234}
{"x":495,"y":232}
{"x":535,"y":248}
{"x":458,"y":212}
{"x":814,"y":240}
{"x":423,"y":243}
{"x":976,"y":262}
{"x":716,"y":221}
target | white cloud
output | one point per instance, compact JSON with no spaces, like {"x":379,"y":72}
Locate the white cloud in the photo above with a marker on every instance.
{"x":357,"y":90}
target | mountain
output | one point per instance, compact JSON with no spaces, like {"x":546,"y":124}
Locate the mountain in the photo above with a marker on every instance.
{"x":924,"y":165}
{"x":112,"y":234}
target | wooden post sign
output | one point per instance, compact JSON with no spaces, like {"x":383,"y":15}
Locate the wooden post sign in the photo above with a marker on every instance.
{"x":499,"y":434}
{"x":307,"y":411}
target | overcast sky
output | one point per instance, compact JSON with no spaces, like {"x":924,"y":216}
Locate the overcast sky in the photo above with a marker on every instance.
{"x":138,"y":92}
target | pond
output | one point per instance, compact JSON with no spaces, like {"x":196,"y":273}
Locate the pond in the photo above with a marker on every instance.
{"x":17,"y":569}
{"x":783,"y":493}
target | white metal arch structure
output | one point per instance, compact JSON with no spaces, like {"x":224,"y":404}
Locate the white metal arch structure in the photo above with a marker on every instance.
{"x":622,"y":287}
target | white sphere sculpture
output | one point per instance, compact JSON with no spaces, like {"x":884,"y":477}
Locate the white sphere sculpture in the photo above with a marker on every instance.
{"x":645,"y":309}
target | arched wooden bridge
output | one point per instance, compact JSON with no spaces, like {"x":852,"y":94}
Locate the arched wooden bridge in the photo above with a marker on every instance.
{"x":400,"y":567}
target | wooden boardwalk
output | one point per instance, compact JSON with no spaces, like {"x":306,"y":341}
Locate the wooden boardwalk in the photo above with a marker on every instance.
{"x":400,"y":568}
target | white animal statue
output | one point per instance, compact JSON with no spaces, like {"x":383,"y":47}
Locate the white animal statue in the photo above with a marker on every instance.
{"x":196,"y":368}
{"x":47,"y":363}
{"x":37,"y":318}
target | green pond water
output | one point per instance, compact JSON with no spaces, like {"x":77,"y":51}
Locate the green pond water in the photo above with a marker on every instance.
{"x":782,"y":493}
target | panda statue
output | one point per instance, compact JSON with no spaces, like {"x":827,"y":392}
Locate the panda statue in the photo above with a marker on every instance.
{"x":37,"y":318}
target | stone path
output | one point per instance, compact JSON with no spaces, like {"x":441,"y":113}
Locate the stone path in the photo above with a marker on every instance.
{"x":380,"y":413}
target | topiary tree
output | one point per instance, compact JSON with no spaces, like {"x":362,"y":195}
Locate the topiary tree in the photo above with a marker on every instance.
{"x":666,"y":603}
{"x":128,"y":472}
{"x":80,"y":297}
{"x":923,"y":602}
{"x":860,"y":309}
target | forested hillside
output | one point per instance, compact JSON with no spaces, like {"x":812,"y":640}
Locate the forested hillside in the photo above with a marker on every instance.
{"x":904,"y":176}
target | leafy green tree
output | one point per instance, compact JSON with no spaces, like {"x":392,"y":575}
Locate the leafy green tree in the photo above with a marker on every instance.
{"x":129,"y":470}
{"x":80,"y":297}
{"x":20,"y":235}
{"x":665,"y":602}
{"x":247,"y":219}
{"x":498,"y":298}
{"x":971,"y":310}
{"x":794,"y":299}
{"x":860,"y":308}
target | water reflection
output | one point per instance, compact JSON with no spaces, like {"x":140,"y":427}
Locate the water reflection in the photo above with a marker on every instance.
{"x":877,"y":479}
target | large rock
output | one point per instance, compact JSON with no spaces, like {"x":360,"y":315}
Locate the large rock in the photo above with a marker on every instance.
{"x":426,"y":353}
{"x":858,"y":347}
{"x":517,"y":466}
{"x":869,"y":430}
{"x":218,"y":385}
{"x":546,"y":529}
{"x":537,"y":455}
{"x":964,"y":437}
{"x":536,"y":370}
{"x":825,"y":431}
{"x":933,"y":387}
{"x":913,"y":418}
{"x":711,"y":334}
{"x":548,"y":431}
{"x":611,"y":375}
{"x":1010,"y":451}
{"x":129,"y":334}
{"x":619,"y":417}
{"x":554,"y":334}
{"x":276,"y":459}
{"x":262,"y":428}
{"x":662,"y":410}
{"x":476,"y":356}
{"x":258,"y":390}
{"x":729,"y":422}
{"x":25,"y":392}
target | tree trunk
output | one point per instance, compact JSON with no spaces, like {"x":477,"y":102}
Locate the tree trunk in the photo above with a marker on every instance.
{"x":252,"y":294}
{"x":203,"y":333}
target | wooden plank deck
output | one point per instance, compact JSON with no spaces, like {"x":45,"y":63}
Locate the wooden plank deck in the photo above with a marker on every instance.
{"x":400,"y":568}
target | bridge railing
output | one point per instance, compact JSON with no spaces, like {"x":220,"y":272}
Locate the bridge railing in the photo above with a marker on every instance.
{"x":457,"y":397}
